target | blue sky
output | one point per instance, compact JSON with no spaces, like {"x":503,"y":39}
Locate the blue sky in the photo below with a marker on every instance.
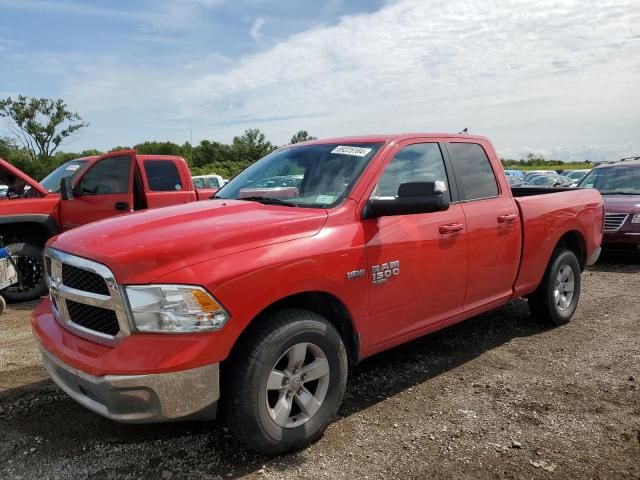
{"x":558,"y":78}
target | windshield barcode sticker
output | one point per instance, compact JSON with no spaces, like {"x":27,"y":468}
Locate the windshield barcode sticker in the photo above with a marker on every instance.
{"x":354,"y":151}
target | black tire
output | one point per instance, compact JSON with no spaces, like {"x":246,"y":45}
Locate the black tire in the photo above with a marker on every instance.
{"x":246,"y":402}
{"x":30,"y":263}
{"x":543,"y":303}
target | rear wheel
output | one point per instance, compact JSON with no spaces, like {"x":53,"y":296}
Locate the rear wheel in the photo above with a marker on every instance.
{"x":286,"y":382}
{"x":30,"y":263}
{"x":556,"y":298}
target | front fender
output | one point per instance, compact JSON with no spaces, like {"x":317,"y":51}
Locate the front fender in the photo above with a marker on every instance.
{"x":248,"y":282}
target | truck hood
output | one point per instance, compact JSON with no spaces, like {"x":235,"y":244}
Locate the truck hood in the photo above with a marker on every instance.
{"x":622,"y":203}
{"x":141,"y":247}
{"x":6,"y":166}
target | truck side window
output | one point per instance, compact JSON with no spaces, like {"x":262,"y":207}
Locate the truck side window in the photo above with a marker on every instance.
{"x":110,"y":175}
{"x":421,"y":162}
{"x":198,"y":183}
{"x":472,"y":167}
{"x":162,"y":175}
{"x":213,"y":183}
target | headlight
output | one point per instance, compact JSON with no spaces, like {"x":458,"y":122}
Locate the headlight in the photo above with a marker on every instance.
{"x":635,"y":218}
{"x":174,"y":309}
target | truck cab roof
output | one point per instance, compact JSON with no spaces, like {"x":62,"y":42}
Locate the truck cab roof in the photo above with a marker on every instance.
{"x":387,"y":138}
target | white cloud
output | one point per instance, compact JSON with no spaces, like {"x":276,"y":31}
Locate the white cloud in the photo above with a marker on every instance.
{"x":554,"y":73}
{"x":256,"y":28}
{"x":546,"y":76}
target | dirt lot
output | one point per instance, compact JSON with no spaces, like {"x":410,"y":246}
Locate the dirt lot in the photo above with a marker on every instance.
{"x":499,"y":396}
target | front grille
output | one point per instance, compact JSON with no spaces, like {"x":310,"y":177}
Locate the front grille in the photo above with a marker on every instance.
{"x":85,"y":280}
{"x":94,"y":318}
{"x":613,"y":221}
{"x":84,"y":299}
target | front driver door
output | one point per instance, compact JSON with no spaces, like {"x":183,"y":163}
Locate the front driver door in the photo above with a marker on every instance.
{"x":417,"y":263}
{"x":104,"y":190}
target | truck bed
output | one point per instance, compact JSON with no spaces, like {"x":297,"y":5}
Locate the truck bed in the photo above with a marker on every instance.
{"x":547,"y":214}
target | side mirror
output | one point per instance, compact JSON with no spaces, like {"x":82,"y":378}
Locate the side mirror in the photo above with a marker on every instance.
{"x":66,"y":188}
{"x":413,"y":197}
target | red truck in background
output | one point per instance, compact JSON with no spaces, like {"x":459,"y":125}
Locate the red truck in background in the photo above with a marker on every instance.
{"x":93,"y":188}
{"x":256,"y":305}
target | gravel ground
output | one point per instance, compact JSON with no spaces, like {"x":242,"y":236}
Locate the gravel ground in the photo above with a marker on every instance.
{"x":498,"y":396}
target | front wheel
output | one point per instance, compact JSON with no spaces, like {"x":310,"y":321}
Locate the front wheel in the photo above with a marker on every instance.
{"x":286,"y":382}
{"x":30,"y":263}
{"x":556,"y":298}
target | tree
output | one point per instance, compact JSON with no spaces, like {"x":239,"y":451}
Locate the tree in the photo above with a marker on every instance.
{"x":40,"y":125}
{"x":208,"y":153}
{"x":301,"y":136}
{"x":161,"y":148}
{"x":250,"y":147}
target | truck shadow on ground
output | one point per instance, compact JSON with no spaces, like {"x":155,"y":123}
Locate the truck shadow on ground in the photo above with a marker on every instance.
{"x":65,"y":434}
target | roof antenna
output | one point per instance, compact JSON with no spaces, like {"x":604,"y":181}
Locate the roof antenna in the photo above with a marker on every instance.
{"x":463,"y":131}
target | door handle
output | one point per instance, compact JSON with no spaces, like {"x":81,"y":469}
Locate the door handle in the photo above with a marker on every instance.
{"x":451,"y":228}
{"x":507,"y":218}
{"x":122,"y":206}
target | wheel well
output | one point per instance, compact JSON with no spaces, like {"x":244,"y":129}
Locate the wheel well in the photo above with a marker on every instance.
{"x":28,"y":232}
{"x":574,"y":241}
{"x":322,"y":303}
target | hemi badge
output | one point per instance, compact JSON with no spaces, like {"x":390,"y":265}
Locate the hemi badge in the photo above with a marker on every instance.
{"x":355,"y":274}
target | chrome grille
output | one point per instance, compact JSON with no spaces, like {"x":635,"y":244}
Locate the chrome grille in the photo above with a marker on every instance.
{"x":86,"y":297}
{"x":85,"y":280}
{"x":613,"y":221}
{"x":94,"y":318}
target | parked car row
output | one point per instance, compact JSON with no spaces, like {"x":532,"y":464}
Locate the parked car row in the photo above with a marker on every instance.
{"x":545,"y":178}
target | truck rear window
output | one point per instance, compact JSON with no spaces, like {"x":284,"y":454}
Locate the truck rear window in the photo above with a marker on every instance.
{"x":162,"y":175}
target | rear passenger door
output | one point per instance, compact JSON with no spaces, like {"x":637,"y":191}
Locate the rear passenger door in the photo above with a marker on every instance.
{"x":417,"y":263}
{"x":163,"y":183}
{"x":492,"y":222}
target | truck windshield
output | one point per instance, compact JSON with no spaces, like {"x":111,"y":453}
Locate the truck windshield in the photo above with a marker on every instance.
{"x":70,"y":169}
{"x":614,"y":180}
{"x":316,"y":176}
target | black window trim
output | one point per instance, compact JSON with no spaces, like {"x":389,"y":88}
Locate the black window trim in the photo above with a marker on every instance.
{"x":454,"y":190}
{"x":460,"y":189}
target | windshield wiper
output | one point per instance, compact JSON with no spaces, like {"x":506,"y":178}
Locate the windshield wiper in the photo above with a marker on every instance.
{"x":269,"y":201}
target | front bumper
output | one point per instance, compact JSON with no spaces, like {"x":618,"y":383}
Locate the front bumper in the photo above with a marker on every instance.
{"x":186,"y":394}
{"x":622,"y":238}
{"x":594,"y":257}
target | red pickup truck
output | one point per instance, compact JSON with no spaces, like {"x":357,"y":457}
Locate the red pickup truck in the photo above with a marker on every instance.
{"x":258,"y":304}
{"x":96,"y":188}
